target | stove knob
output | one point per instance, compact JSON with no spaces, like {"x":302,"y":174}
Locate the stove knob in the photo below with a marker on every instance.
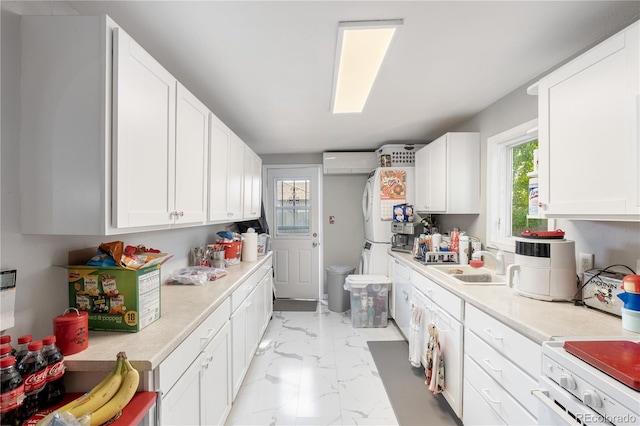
{"x":567,"y":382}
{"x":592,"y":399}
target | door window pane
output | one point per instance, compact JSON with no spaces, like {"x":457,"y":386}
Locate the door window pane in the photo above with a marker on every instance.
{"x":293,"y":207}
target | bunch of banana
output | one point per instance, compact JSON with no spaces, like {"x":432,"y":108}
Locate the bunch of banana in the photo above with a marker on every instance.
{"x":107,"y":399}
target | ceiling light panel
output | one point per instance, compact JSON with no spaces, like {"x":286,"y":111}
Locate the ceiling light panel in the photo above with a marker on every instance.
{"x":361,"y":48}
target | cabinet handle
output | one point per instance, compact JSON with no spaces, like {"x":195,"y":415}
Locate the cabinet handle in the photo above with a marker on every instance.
{"x":493,"y":336}
{"x":542,"y":205}
{"x":181,"y":213}
{"x":208,"y":336}
{"x":488,"y":362}
{"x":406,"y":295}
{"x":486,"y":393}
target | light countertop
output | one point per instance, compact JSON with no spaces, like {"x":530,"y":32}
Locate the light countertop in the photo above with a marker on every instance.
{"x":183,"y":308}
{"x":536,"y":319}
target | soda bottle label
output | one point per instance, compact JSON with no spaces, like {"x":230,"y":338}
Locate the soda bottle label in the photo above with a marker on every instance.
{"x":34,"y":383}
{"x":12,"y":399}
{"x":55,"y":371}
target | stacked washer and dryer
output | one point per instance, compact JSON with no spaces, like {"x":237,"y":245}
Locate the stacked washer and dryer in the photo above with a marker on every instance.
{"x":386,"y":186}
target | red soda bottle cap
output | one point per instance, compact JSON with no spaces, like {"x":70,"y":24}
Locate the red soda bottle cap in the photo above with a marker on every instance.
{"x":7,"y":361}
{"x":24,"y":339}
{"x":36,"y":345}
{"x":5,"y":338}
{"x":5,"y":349}
{"x":49,"y":340}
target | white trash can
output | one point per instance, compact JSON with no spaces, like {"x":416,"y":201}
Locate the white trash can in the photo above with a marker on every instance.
{"x":369,"y":300}
{"x":338,"y":296}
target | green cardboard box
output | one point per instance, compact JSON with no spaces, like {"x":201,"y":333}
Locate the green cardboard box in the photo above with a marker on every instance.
{"x":116,"y":299}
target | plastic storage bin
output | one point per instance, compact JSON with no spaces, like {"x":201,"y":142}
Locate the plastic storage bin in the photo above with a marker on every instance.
{"x":369,"y":300}
{"x":338,"y":296}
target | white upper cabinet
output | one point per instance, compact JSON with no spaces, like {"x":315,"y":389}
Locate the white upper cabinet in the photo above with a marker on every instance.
{"x":226,"y":165}
{"x":218,"y":170}
{"x":192,"y":145}
{"x":588,"y":133}
{"x":144,"y":137}
{"x":448,"y":174}
{"x":65,"y":138}
{"x":236,"y":178}
{"x":252,"y":187}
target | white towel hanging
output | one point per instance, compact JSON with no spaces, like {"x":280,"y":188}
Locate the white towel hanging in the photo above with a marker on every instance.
{"x":414,"y":335}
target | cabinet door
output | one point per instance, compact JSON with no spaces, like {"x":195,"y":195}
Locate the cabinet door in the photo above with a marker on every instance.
{"x":181,"y":404}
{"x":216,"y":379}
{"x":430,"y":179}
{"x":218,"y":170}
{"x":437,"y":182}
{"x":192,"y":143}
{"x":235,"y":179}
{"x":253,"y":324}
{"x":451,"y":335}
{"x":588,"y":137}
{"x":239,"y":346}
{"x":252,"y":179}
{"x":144,"y":137}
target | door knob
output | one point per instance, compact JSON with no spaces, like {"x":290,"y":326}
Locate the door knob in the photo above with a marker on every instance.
{"x":315,"y":244}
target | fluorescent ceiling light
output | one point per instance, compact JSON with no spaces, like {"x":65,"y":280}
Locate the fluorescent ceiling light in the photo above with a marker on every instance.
{"x":361,"y":48}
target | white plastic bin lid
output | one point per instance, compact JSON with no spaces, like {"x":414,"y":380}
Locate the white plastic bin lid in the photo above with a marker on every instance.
{"x":359,"y":281}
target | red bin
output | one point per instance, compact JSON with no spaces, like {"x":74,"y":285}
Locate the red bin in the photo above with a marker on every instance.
{"x":72,"y":331}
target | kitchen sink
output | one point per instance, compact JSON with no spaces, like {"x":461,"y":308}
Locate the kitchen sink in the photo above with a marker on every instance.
{"x":466,"y":274}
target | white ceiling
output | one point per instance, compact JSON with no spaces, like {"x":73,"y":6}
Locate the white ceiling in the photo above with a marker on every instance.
{"x":266,"y":68}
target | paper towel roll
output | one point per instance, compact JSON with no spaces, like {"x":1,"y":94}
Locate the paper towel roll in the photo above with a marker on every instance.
{"x":250,"y":247}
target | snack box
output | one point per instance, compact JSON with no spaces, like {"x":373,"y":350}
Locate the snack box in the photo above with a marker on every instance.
{"x":601,"y":292}
{"x":403,"y":213}
{"x":116,"y":299}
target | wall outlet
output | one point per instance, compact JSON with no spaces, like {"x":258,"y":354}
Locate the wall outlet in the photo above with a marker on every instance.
{"x":585,"y":262}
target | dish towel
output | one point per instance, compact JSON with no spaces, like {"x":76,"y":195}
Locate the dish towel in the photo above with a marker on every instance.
{"x":435,"y":362}
{"x":414,"y":335}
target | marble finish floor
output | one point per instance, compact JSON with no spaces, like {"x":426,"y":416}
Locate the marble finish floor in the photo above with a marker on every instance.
{"x":314,"y":368}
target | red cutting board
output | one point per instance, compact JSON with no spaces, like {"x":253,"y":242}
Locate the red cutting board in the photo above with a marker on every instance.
{"x":618,"y":358}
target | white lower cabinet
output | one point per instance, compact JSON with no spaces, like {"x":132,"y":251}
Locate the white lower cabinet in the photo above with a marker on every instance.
{"x":198,"y":381}
{"x":251,"y":306}
{"x":443,"y":309}
{"x":198,"y":392}
{"x":501,"y":367}
{"x":402,"y":291}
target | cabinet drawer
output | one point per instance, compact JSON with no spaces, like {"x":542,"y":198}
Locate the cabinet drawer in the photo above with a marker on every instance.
{"x":476,"y":412}
{"x":444,"y":298}
{"x":509,"y":410}
{"x":513,"y":345}
{"x":177,"y":362}
{"x":241,"y":293}
{"x":503,"y":371}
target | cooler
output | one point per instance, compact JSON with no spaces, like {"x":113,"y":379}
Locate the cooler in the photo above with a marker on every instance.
{"x":369,"y":300}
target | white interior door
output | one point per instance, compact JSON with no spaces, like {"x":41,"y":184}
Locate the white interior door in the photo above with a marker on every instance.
{"x":293,"y":212}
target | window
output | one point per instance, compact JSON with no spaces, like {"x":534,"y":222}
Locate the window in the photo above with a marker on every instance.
{"x":511,"y":184}
{"x":293,"y":206}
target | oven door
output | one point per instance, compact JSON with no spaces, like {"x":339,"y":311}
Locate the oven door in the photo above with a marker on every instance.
{"x":556,"y":406}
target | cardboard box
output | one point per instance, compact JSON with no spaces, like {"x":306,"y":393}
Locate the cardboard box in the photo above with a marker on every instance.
{"x":601,"y":292}
{"x":116,"y":299}
{"x":403,"y":213}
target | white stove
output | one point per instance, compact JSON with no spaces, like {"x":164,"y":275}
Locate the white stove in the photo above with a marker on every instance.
{"x":574,"y":391}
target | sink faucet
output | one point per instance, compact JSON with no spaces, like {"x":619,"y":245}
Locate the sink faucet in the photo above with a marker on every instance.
{"x":498,"y":259}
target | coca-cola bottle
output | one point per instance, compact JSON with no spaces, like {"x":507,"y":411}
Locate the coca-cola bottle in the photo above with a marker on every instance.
{"x":54,"y":389}
{"x":11,"y":392}
{"x":33,"y":368}
{"x":5,"y":350}
{"x":5,"y":339}
{"x":22,"y":348}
